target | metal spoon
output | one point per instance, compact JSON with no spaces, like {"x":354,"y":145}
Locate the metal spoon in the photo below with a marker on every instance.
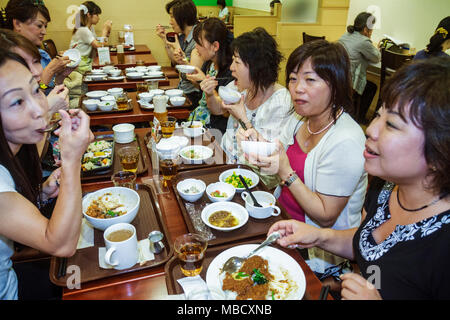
{"x":255,"y":203}
{"x":233,"y":264}
{"x":51,"y":127}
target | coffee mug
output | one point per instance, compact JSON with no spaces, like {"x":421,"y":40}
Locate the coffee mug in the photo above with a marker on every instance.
{"x":196,"y":130}
{"x":121,"y":246}
{"x":266,"y":199}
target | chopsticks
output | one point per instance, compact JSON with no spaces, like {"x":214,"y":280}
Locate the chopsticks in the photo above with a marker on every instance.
{"x":324,"y":292}
{"x":62,"y":267}
{"x":244,"y":127}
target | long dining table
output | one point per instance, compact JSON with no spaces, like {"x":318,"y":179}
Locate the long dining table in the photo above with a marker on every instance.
{"x":130,"y":60}
{"x":152,"y":283}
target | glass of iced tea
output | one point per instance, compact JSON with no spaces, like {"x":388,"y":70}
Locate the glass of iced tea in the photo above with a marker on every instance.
{"x":169,"y":167}
{"x":129,"y":158}
{"x":141,"y":87}
{"x":125,"y":179}
{"x":190,"y":249}
{"x":122,"y":101}
{"x":168,"y":126}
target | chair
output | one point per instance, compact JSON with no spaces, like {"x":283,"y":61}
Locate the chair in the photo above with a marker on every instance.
{"x":308,"y":38}
{"x":50,"y":47}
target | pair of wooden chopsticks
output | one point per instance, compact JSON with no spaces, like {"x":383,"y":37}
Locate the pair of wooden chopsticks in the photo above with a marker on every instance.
{"x":324,"y":292}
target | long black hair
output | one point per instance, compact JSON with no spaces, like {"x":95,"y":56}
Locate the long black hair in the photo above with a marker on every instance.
{"x":439,"y":37}
{"x":362,"y":20}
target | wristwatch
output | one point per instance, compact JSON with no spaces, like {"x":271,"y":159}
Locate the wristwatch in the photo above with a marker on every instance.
{"x":292,"y":177}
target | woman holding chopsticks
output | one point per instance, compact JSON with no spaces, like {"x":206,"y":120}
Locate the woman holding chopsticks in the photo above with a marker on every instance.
{"x":23,"y":108}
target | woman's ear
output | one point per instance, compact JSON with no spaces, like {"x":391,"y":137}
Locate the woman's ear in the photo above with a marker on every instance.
{"x":216,"y":46}
{"x":17,"y":25}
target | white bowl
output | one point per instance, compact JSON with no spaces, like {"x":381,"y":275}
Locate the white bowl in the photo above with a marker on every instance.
{"x":141,"y":69}
{"x":185,"y":185}
{"x":185,"y":68}
{"x":201,"y":154}
{"x":91,"y":104}
{"x":157,"y":92}
{"x":266,"y":200}
{"x":74,"y":55}
{"x":174,"y":93}
{"x":106,"y":105}
{"x":177,"y":101}
{"x":135,"y":75}
{"x":96,"y":94}
{"x":221,"y":187}
{"x":258,"y":147}
{"x":97,"y":77}
{"x":108,"y":68}
{"x":198,"y":129}
{"x":97,"y":71}
{"x":146,"y":96}
{"x":154,"y":68}
{"x":115,"y":91}
{"x":238,"y":211}
{"x":154,"y":74}
{"x":229,"y":95}
{"x":132,"y":69}
{"x":123,"y":133}
{"x":128,"y":197}
{"x":108,"y":98}
{"x":245,"y":173}
{"x":115,"y":72}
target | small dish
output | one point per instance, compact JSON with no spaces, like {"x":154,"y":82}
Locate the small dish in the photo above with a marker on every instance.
{"x":238,"y":212}
{"x":174,"y":93}
{"x":96,"y":94}
{"x":258,"y":147}
{"x":135,"y":75}
{"x":91,"y":104}
{"x":232,"y":176}
{"x":106,"y":105}
{"x":195,"y":154}
{"x":75,"y":57}
{"x":146,"y":96}
{"x":185,"y":68}
{"x":177,"y":101}
{"x":123,"y":133}
{"x":220,"y":192}
{"x":191,"y":189}
{"x":229,"y":95}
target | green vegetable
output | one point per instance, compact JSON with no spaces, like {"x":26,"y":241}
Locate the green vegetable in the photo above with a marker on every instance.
{"x":111,"y":213}
{"x":273,"y":295}
{"x":241,"y":275}
{"x":258,"y":277}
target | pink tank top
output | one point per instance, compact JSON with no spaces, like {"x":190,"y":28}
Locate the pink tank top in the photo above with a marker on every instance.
{"x":297,"y":160}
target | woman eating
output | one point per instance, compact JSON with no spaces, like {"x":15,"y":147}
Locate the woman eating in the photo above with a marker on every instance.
{"x":23,"y":108}
{"x":265,"y":104}
{"x":401,"y":246}
{"x":319,"y":159}
{"x":213,"y":43}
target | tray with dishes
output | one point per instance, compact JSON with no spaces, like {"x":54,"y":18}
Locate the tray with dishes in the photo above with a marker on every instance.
{"x":143,"y":163}
{"x":99,"y":76}
{"x":101,"y":101}
{"x":279,"y":274}
{"x":211,"y":151}
{"x":213,"y":203}
{"x":147,"y":214}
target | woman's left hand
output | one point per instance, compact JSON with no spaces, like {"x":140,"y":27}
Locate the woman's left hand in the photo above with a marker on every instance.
{"x":276,"y":163}
{"x":237,"y":110}
{"x":58,"y":98}
{"x":50,"y":188}
{"x":355,"y":287}
{"x":197,"y":76}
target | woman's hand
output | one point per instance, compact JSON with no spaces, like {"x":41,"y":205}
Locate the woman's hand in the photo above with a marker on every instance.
{"x":50,"y":188}
{"x":59,"y":64}
{"x":209,"y":85}
{"x":355,"y":287}
{"x":107,"y":26}
{"x":237,"y":110}
{"x":296,"y":234}
{"x":161,"y":32}
{"x":74,"y":135}
{"x":179,"y":56}
{"x":276,"y":163}
{"x":58,"y":99}
{"x":197,"y":76}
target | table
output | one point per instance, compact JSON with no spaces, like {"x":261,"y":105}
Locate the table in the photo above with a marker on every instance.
{"x":150,"y":284}
{"x":130,"y":61}
{"x":138,"y":49}
{"x":137,"y":114}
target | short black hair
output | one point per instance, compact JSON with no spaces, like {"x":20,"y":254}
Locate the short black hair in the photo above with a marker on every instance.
{"x":259,"y":51}
{"x":184,"y":12}
{"x":361,"y":22}
{"x":221,"y":3}
{"x":331,"y":63}
{"x":24,"y":10}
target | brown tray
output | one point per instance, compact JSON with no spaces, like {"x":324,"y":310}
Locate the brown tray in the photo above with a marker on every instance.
{"x":130,"y":108}
{"x":173,"y":271}
{"x":253,"y":228}
{"x":207,"y":140}
{"x":105,"y":79}
{"x":143,"y":164}
{"x":149,"y":218}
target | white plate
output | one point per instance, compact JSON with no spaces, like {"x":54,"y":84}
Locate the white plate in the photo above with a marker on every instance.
{"x":145,"y":104}
{"x":154,"y":74}
{"x":277,"y":259}
{"x":96,"y":94}
{"x":203,"y":152}
{"x":116,"y":78}
{"x":244,"y":172}
{"x":135,"y":75}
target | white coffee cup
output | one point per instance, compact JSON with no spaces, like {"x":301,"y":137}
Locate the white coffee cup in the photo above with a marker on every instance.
{"x":196,"y":131}
{"x":121,"y":254}
{"x":266,"y":199}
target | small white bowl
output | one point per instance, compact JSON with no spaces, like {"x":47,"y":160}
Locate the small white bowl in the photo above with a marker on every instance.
{"x":115,"y":91}
{"x":177,"y":101}
{"x":97,"y":77}
{"x":154,"y":74}
{"x":128,"y":197}
{"x":258,"y":147}
{"x":185,"y":185}
{"x":196,"y":131}
{"x":185,"y":68}
{"x":135,"y":75}
{"x":154,"y":68}
{"x":174,"y":93}
{"x":157,"y":92}
{"x":204,"y":153}
{"x":74,"y":55}
{"x":108,"y":68}
{"x":244,"y":172}
{"x":97,"y":71}
{"x":91,"y":104}
{"x":221,"y":187}
{"x":115,"y":72}
{"x":97,"y":94}
{"x":108,"y":98}
{"x":106,"y":105}
{"x":146,"y":96}
{"x":141,"y":69}
{"x":123,"y":133}
{"x":129,"y":70}
{"x":228,"y":95}
{"x":238,"y":211}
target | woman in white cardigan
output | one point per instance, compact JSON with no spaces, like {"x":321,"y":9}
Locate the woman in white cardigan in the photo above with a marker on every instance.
{"x":320,"y":154}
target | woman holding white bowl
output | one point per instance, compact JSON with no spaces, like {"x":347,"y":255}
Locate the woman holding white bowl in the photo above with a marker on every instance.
{"x":320,"y":158}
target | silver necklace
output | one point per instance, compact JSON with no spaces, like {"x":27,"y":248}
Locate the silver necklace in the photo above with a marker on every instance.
{"x":324,"y":128}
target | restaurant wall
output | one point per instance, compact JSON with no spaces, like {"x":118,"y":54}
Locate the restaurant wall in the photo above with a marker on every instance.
{"x":412,"y":21}
{"x":142,"y":15}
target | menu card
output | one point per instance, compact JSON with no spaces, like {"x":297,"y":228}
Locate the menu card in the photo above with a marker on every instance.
{"x":103,"y":56}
